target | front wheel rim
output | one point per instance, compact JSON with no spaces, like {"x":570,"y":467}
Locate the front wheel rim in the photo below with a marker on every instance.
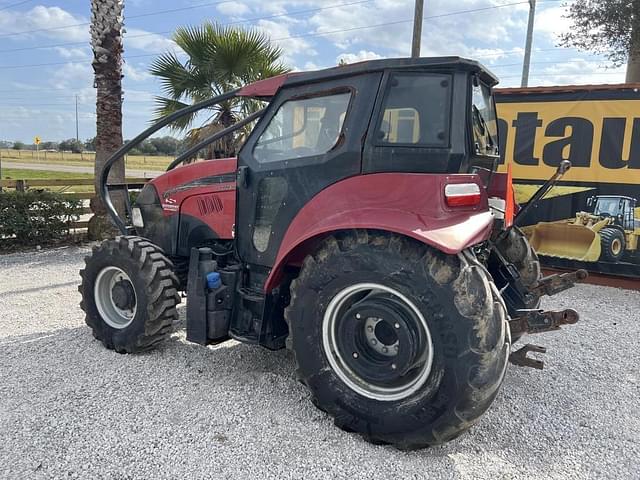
{"x":377,"y":342}
{"x":616,"y":247}
{"x":115,"y":297}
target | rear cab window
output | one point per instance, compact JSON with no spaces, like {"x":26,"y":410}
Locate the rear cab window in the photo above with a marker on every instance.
{"x":415,"y":110}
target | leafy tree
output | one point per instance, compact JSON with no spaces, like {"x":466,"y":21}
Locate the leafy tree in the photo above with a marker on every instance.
{"x":221,"y":58}
{"x":165,"y":145}
{"x":610,"y":27}
{"x":71,"y":145}
{"x":18,"y":145}
{"x":48,"y":146}
{"x":90,"y":144}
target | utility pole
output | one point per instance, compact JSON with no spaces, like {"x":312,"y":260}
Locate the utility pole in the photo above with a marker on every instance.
{"x":417,"y":29}
{"x":527,"y":49}
{"x":77,"y":129}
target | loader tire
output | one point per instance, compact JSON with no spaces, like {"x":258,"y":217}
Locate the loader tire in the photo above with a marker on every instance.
{"x":129,"y":294}
{"x":516,"y":249}
{"x":442,"y":312}
{"x":613,"y":244}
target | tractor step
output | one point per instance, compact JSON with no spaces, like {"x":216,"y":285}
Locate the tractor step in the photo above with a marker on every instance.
{"x":519,"y":357}
{"x":539,"y":321}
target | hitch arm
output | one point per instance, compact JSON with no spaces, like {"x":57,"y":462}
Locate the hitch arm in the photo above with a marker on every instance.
{"x":554,"y":284}
{"x":539,"y":321}
{"x":563,"y":168}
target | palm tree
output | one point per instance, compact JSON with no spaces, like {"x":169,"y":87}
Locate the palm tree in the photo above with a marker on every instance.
{"x":106,"y":41}
{"x":220,"y":59}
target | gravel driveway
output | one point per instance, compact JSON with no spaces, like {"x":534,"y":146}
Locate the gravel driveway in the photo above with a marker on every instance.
{"x":71,"y":409}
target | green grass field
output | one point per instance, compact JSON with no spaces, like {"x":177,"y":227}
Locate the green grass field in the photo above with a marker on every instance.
{"x":137,"y":162}
{"x":20,"y":174}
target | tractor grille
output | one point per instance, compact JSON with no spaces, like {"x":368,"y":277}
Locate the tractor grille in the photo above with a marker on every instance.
{"x":209,"y":204}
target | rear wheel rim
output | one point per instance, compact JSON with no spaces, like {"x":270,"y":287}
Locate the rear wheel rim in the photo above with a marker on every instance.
{"x":377,"y":342}
{"x":616,"y":246}
{"x":115,"y":297}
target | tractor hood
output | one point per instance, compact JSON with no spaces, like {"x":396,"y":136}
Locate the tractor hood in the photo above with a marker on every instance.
{"x":177,"y":184}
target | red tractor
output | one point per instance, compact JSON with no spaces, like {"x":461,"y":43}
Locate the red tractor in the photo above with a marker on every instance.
{"x":363,"y":226}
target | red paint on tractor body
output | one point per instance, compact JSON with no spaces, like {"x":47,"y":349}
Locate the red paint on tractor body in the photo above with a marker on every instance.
{"x":405,"y":203}
{"x":265,"y":88}
{"x":196,"y":189}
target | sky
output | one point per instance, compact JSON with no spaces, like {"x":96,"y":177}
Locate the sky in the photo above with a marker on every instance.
{"x":45,"y":58}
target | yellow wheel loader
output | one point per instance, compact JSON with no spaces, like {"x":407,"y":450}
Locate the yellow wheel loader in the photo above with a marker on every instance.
{"x":605,"y":233}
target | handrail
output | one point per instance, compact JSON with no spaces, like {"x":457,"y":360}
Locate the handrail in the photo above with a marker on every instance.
{"x":216,"y":136}
{"x":104,"y":173}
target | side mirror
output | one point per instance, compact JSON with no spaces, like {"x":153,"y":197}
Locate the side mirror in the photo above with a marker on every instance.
{"x":591,"y":201}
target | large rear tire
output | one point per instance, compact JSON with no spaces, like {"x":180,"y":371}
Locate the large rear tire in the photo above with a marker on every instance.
{"x":439,"y":317}
{"x":613,"y":244}
{"x":129,"y":294}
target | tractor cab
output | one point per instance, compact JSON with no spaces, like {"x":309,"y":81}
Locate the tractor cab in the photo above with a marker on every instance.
{"x":620,"y":209}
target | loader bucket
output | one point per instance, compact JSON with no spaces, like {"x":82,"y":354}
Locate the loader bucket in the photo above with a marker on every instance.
{"x":566,"y":240}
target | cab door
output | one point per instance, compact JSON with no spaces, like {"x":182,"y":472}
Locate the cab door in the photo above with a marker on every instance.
{"x":310,"y":138}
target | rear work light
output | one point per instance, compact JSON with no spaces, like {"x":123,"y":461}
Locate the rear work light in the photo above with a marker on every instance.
{"x":462,"y":194}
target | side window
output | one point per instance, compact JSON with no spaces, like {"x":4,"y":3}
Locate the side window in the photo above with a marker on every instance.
{"x":415,"y":110}
{"x":303,"y":128}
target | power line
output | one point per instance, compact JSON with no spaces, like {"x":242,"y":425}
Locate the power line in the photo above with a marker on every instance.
{"x":160,"y":12}
{"x":268,"y":17}
{"x":6,"y":7}
{"x":140,"y":15}
{"x":316,"y":34}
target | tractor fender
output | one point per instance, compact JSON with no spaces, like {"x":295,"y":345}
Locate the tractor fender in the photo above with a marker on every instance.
{"x":408,"y":204}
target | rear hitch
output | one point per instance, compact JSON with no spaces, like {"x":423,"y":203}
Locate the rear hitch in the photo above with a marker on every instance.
{"x":539,"y":321}
{"x":554,"y":284}
{"x":519,"y":357}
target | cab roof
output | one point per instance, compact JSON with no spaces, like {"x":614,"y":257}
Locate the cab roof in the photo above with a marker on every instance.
{"x":268,"y":87}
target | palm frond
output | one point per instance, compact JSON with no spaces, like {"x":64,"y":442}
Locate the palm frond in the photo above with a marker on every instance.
{"x":220,"y":58}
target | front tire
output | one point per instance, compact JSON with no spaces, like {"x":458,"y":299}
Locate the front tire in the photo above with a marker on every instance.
{"x":613,"y":244}
{"x":129,"y":294}
{"x":443,"y":314}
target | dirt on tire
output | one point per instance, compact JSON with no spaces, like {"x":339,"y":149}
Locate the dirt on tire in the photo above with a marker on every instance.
{"x":466,"y":316}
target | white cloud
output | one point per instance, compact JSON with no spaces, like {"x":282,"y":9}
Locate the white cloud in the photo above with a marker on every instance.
{"x":50,"y":18}
{"x":135,"y":74}
{"x":280,"y":33}
{"x":357,"y":57}
{"x":233,"y":9}
{"x":150,"y":42}
{"x":552,"y":23}
{"x":73,"y":53}
{"x":71,"y":75}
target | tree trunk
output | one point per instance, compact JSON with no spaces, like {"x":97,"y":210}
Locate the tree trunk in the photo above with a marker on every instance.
{"x":106,"y":41}
{"x":633,"y":65}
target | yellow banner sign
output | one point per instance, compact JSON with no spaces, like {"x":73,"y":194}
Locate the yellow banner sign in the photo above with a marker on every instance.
{"x":600,"y":137}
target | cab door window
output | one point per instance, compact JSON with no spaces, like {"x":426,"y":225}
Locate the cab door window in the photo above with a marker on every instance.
{"x":303,"y":128}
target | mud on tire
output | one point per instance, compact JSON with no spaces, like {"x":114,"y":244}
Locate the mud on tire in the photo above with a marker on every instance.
{"x":516,"y":249}
{"x":466,"y":319}
{"x":155,"y":286}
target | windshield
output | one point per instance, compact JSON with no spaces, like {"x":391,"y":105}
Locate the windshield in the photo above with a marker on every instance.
{"x":608,"y":206}
{"x":485,"y":125}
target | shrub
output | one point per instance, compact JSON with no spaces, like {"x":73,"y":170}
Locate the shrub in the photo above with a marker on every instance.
{"x":36,"y":216}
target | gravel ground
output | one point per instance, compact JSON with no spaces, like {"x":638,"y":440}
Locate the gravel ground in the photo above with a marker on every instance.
{"x":71,"y":409}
